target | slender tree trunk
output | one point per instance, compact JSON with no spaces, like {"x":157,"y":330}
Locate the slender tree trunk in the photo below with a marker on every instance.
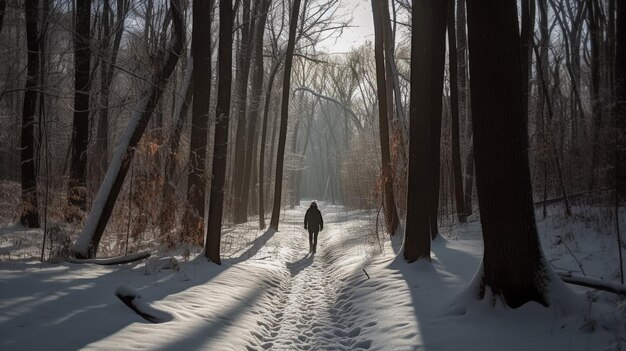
{"x":241,"y":152}
{"x":620,"y":101}
{"x":262,"y":181}
{"x":457,"y":174}
{"x":284,"y":114}
{"x":391,"y":213}
{"x":86,"y":245}
{"x":513,"y":266}
{"x":255,"y":101}
{"x":76,"y":197}
{"x":596,"y":107}
{"x":30,"y":208}
{"x":107,"y":69}
{"x":427,"y":69}
{"x":193,"y":220}
{"x":220,"y":144}
{"x":3,"y":8}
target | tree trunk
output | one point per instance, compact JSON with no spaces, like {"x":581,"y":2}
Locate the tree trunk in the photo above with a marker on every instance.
{"x":391,"y":213}
{"x":241,"y":152}
{"x":620,"y":100}
{"x":526,"y":36}
{"x":427,"y":68}
{"x":3,"y":8}
{"x":193,"y":220}
{"x":268,"y":96}
{"x":260,"y":14}
{"x":457,"y":174}
{"x":513,"y":266}
{"x":107,"y":68}
{"x":86,"y":245}
{"x":76,"y":197}
{"x":220,"y":144}
{"x":596,"y":107}
{"x":284,"y":114}
{"x":29,"y":215}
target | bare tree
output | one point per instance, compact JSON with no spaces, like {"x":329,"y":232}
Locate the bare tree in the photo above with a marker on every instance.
{"x":220,"y":144}
{"x":513,"y":267}
{"x":86,"y":245}
{"x":284,"y":114}
{"x":30,"y":208}
{"x":77,"y":193}
{"x":391,"y":214}
{"x":428,"y":32}
{"x":193,"y":222}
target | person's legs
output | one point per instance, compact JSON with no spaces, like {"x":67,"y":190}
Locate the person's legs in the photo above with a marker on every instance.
{"x":315,"y":241}
{"x":310,"y":240}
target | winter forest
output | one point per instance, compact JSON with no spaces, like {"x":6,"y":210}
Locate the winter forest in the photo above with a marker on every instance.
{"x":158,"y":160}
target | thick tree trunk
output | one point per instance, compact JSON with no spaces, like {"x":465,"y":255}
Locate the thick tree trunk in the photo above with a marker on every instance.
{"x":391,"y":213}
{"x":260,"y":14}
{"x":77,"y":192}
{"x":220,"y":144}
{"x":193,"y":220}
{"x":427,"y":68}
{"x":513,"y":267}
{"x":239,"y":209}
{"x":284,"y":114}
{"x":86,"y":245}
{"x":457,"y":174}
{"x":29,"y":215}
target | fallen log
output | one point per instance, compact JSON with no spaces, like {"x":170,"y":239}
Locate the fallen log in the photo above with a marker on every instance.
{"x":593,"y":283}
{"x":109,"y":261}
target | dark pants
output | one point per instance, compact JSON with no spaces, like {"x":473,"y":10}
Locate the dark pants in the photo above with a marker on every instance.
{"x":313,"y":240}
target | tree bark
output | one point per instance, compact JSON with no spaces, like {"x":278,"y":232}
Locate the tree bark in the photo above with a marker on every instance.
{"x":427,"y":69}
{"x":260,"y":14}
{"x":3,"y":8}
{"x":284,"y":114}
{"x":76,"y":197}
{"x":268,"y":96}
{"x":239,"y":209}
{"x":193,"y":220}
{"x":596,"y":107}
{"x":457,"y":174}
{"x":86,"y":245}
{"x":391,"y":213}
{"x":513,"y":267}
{"x":620,"y":100}
{"x":29,"y":215}
{"x":220,"y":144}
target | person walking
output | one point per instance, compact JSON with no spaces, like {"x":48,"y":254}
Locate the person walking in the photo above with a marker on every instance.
{"x":314,"y":223}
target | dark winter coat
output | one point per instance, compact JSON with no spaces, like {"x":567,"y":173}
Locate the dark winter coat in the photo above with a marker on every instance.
{"x":313,"y":220}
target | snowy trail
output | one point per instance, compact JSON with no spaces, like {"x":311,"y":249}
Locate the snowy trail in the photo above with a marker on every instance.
{"x":308,"y":315}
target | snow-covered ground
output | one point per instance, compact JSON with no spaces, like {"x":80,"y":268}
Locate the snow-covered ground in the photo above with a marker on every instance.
{"x":353,"y":294}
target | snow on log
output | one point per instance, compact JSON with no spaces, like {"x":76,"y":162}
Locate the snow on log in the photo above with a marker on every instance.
{"x":593,"y":283}
{"x":87,"y":243}
{"x":142,"y":306}
{"x":112,"y":260}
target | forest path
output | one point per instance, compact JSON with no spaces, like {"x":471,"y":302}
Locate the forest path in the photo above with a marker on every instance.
{"x":309,"y":312}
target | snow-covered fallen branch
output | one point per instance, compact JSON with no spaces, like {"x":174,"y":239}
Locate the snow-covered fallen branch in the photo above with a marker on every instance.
{"x":593,"y":283}
{"x":113,"y":260}
{"x":142,"y":306}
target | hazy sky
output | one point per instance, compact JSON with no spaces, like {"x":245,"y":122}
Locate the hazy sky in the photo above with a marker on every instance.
{"x":362,"y":27}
